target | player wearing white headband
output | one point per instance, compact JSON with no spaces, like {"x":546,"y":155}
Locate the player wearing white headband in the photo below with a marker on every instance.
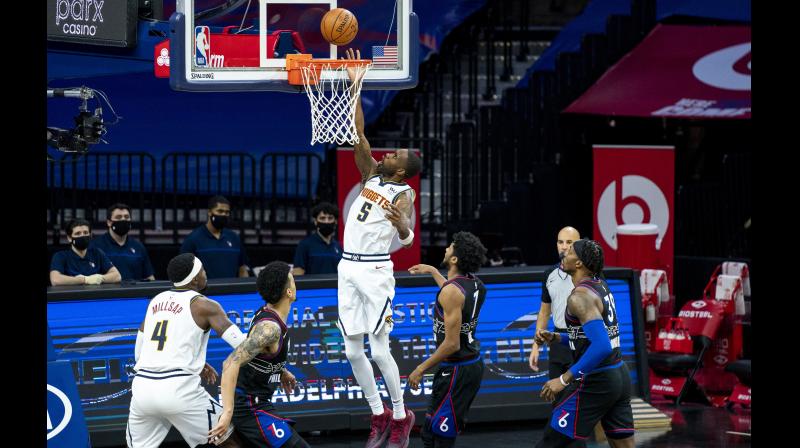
{"x":171,"y":361}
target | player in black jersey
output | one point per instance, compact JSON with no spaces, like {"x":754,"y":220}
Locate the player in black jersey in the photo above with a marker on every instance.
{"x":457,"y":307}
{"x":598,"y":386}
{"x":254,"y":370}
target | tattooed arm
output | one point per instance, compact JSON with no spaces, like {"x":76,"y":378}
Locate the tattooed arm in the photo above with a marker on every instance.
{"x":263,"y":337}
{"x":588,"y":310}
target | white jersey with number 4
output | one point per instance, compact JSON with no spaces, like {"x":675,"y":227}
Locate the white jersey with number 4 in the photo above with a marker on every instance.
{"x":172,"y":339}
{"x":367,"y":230}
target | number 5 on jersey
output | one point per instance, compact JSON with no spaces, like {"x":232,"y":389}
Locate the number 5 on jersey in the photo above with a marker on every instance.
{"x":160,"y":334}
{"x":364,"y":212}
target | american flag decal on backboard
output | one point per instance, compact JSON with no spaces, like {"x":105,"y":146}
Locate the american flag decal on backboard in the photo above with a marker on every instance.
{"x":382,"y":55}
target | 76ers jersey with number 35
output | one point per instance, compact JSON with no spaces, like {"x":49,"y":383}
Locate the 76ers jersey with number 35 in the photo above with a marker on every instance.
{"x":367,"y":231}
{"x":578,"y":341}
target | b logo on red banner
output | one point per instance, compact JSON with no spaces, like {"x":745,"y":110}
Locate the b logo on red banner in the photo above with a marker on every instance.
{"x":641,"y":201}
{"x":634,"y":185}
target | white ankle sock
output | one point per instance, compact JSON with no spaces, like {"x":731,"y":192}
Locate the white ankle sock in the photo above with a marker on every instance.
{"x":398,"y":410}
{"x":375,"y":404}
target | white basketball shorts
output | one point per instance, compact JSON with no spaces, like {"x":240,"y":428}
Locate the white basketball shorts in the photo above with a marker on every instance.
{"x":366,"y":291}
{"x":162,"y":400}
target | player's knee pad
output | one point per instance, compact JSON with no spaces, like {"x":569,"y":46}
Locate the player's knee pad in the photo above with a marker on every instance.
{"x":379,"y":345}
{"x":353,"y":350}
{"x":355,"y":355}
{"x":380,"y":351}
{"x":381,"y":358}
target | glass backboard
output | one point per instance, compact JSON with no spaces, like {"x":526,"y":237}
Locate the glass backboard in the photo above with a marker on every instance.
{"x":218,"y":45}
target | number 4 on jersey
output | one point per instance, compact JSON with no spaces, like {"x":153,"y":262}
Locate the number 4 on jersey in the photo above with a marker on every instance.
{"x":160,"y":334}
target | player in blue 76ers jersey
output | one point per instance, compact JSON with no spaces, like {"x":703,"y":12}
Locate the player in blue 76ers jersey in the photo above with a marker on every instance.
{"x":257,"y":367}
{"x":598,"y":386}
{"x":457,"y":309}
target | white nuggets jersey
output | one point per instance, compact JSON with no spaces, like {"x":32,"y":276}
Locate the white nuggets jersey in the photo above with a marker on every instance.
{"x":172,"y":339}
{"x":367,"y":230}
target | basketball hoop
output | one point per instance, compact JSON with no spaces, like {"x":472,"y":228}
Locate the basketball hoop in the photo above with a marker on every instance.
{"x":330,"y":93}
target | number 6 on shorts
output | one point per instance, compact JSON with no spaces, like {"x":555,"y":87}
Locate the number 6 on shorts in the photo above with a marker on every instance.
{"x":275,"y":429}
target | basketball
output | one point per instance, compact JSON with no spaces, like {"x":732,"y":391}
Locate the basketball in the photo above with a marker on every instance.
{"x":339,"y":26}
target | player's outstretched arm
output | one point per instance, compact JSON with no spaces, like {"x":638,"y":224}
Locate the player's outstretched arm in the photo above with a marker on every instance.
{"x":428,"y":269}
{"x":263,"y":336}
{"x":363,"y":154}
{"x":452,"y":300}
{"x":209,"y":313}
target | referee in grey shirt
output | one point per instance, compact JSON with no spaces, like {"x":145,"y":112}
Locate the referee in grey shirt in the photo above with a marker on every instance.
{"x":556,"y":288}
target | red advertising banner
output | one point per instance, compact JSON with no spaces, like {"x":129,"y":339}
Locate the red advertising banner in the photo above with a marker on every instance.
{"x":687,"y":71}
{"x":161,"y":60}
{"x":635,"y":185}
{"x":668,"y":386}
{"x":224,"y":50}
{"x":349,"y":187}
{"x":740,"y":394}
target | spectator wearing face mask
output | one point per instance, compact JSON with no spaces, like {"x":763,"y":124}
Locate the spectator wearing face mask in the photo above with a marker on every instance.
{"x":127,"y":253}
{"x":320,"y":252}
{"x":219,"y":248}
{"x":81,"y":264}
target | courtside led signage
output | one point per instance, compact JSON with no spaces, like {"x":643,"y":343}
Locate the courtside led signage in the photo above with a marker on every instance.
{"x":94,"y":22}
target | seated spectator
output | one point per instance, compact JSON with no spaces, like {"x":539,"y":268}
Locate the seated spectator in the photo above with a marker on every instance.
{"x":320,"y":252}
{"x":81,"y":264}
{"x":127,"y":253}
{"x":220,"y":249}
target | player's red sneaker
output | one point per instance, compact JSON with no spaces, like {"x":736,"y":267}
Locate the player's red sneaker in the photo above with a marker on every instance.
{"x":379,"y":428}
{"x":400,"y":429}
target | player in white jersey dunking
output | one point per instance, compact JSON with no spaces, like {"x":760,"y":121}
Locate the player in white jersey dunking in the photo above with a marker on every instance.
{"x":366,"y":277}
{"x":171,"y":359}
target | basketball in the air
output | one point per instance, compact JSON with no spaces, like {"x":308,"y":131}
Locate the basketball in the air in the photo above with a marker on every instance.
{"x":339,"y":26}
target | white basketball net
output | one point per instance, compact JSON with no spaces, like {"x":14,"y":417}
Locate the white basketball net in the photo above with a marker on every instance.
{"x":333,"y":103}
